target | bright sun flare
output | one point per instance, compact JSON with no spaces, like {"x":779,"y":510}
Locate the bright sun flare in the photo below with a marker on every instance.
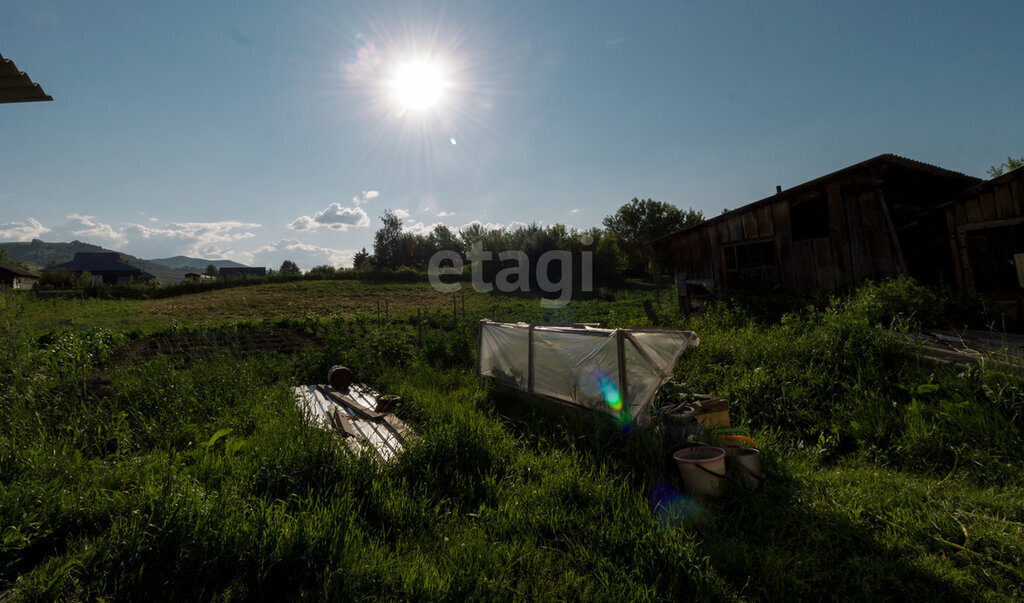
{"x":418,"y":85}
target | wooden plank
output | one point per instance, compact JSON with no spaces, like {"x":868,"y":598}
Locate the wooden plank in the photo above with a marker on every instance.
{"x":960,"y":213}
{"x":825,"y":268}
{"x":988,"y":206}
{"x":838,"y":237}
{"x":958,"y":262}
{"x":806,"y":277}
{"x":348,"y":402}
{"x":713,"y":244}
{"x":1004,"y":201}
{"x":881,"y":260}
{"x":1017,"y":195}
{"x":856,"y":235}
{"x":765,"y":223}
{"x":735,"y":226}
{"x":894,"y":239}
{"x":992,"y":224}
{"x":784,"y":246}
{"x":965,"y":260}
{"x":973,"y":206}
{"x":749,"y":225}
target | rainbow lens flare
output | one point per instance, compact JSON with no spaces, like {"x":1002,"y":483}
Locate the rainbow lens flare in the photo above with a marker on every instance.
{"x":610,"y":392}
{"x":674,"y":509}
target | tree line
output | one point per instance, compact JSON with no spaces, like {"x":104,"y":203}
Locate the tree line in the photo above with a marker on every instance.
{"x":618,"y":249}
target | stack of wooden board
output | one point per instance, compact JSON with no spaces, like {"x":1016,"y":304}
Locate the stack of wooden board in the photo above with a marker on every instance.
{"x":352,"y":412}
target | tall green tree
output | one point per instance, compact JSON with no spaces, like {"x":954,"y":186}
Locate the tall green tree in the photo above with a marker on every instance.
{"x":361,"y":259}
{"x":387,"y":241}
{"x":290,"y":268}
{"x":211,"y":270}
{"x":638,"y":222}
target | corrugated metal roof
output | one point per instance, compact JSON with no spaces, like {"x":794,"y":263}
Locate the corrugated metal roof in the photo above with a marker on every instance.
{"x":17,"y":87}
{"x":17,"y":269}
{"x":353,"y":413}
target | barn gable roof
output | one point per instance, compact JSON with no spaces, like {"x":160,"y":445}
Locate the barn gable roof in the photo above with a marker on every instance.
{"x":885,"y":158}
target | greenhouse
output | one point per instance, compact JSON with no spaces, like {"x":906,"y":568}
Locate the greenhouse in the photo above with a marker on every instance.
{"x":613,"y":371}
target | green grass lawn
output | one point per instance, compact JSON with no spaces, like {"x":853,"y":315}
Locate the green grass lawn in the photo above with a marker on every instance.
{"x":889,"y":477}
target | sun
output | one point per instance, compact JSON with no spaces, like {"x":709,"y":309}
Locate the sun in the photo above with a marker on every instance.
{"x":418,"y":85}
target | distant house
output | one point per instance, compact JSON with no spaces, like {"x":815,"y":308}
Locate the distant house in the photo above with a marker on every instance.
{"x":242,"y":273}
{"x":16,"y":277}
{"x":107,"y":268}
{"x":196,"y":277}
{"x":871,"y":220}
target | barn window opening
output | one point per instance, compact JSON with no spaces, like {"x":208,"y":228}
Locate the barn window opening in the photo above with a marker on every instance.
{"x":997,"y":258}
{"x":745,"y":256}
{"x":809,"y":219}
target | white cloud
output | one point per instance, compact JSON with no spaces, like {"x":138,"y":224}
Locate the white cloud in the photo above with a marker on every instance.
{"x":303,"y":254}
{"x":515,"y":225}
{"x":22,"y":231}
{"x":334,"y":217}
{"x":420,"y":228}
{"x":401,"y":213}
{"x":87,"y":227}
{"x":303,"y":223}
{"x":195,"y":238}
{"x":487,"y":226}
{"x":445,"y":214}
{"x":574,"y":211}
{"x":365,"y":196}
{"x":145,"y":240}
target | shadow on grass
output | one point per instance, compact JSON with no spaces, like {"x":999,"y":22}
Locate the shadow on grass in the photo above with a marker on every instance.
{"x":779,"y":542}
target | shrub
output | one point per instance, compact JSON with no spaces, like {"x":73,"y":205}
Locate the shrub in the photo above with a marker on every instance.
{"x":896,"y":302}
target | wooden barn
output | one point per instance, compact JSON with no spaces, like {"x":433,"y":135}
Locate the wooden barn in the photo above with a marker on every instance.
{"x":986,"y":235}
{"x":867,"y":221}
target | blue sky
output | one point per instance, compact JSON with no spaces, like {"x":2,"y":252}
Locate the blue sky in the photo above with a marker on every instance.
{"x":264,"y":131}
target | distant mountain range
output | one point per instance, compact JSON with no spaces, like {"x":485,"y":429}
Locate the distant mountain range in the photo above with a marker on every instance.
{"x":183,"y":262}
{"x":38,"y":254}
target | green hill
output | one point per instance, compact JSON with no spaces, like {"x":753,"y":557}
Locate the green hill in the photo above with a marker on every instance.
{"x":189,"y":264}
{"x":38,"y":254}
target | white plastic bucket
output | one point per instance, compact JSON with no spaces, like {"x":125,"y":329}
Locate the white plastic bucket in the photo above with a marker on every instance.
{"x":748,"y":463}
{"x":702,"y":468}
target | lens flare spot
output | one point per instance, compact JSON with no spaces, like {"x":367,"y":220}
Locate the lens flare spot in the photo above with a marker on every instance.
{"x":674,"y":509}
{"x":610,"y":392}
{"x":453,"y":141}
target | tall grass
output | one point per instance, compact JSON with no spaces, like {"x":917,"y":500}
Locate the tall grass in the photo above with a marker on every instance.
{"x":198,"y":477}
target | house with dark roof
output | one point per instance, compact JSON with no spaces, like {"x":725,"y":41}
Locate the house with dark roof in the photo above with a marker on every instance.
{"x":106,"y":268}
{"x":872,"y":220}
{"x":16,"y":277}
